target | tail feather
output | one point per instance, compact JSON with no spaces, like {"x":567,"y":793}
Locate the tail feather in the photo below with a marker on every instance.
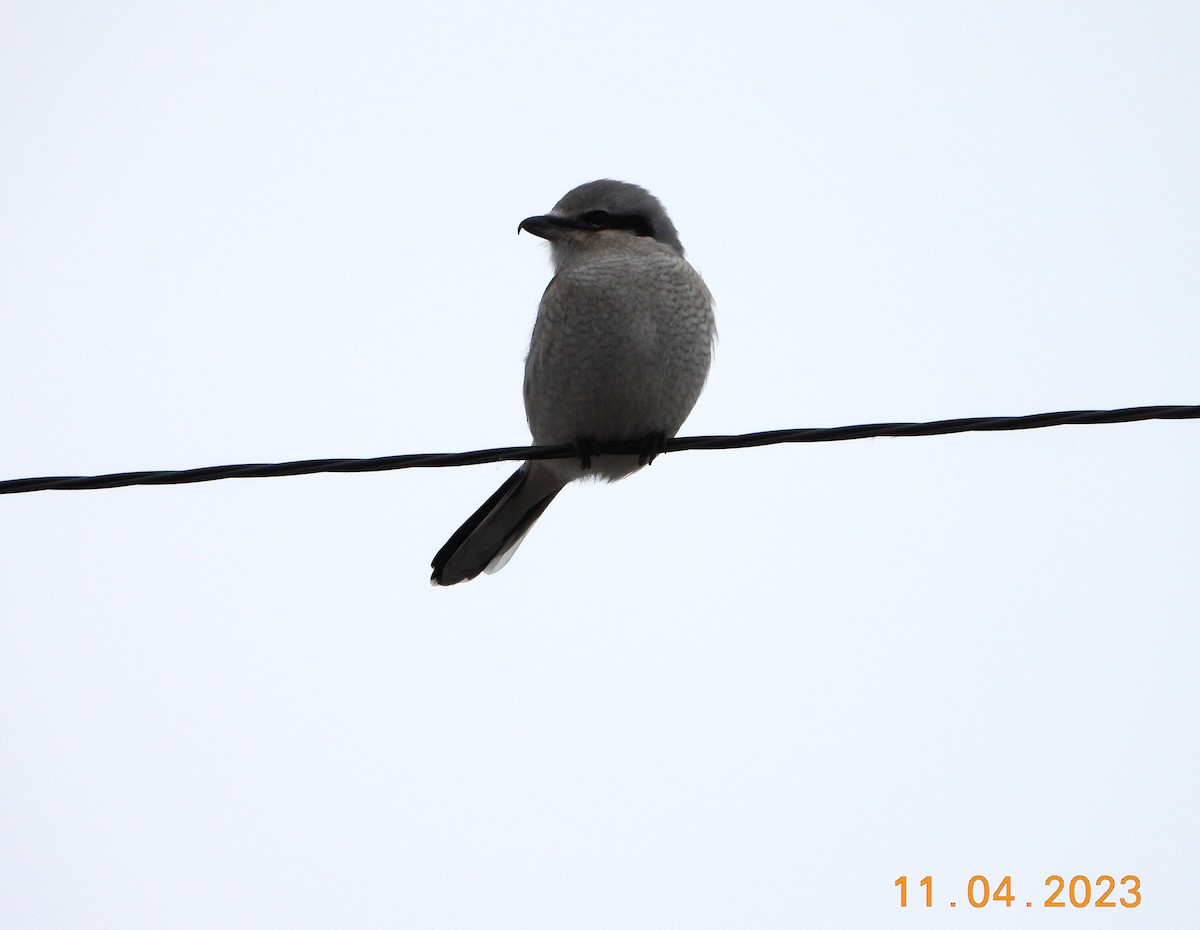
{"x":492,"y":533}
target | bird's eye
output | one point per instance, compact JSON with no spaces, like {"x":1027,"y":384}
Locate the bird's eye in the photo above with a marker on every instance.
{"x":596,"y":218}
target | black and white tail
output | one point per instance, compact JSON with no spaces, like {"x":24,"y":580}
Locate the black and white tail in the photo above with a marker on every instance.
{"x":491,"y":535}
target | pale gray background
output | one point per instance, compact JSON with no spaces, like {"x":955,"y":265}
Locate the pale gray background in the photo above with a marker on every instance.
{"x":743,"y":689}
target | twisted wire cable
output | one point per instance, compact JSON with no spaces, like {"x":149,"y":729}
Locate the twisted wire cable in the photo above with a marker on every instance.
{"x":680,"y":444}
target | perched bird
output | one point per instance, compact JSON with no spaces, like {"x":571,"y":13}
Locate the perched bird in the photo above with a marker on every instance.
{"x":620,"y":352}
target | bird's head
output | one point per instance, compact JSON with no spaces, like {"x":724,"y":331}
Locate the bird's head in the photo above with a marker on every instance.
{"x":602,"y":214}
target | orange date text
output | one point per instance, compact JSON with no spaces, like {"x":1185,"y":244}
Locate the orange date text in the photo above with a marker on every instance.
{"x":1078,"y":891}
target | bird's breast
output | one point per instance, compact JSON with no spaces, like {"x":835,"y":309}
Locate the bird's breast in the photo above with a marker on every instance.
{"x":620,"y":350}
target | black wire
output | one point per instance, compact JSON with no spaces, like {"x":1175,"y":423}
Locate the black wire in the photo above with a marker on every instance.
{"x":517,"y":453}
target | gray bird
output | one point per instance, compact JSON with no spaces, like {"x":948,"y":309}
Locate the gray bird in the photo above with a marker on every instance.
{"x":620,"y":352}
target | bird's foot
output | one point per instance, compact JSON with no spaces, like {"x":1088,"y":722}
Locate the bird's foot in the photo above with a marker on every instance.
{"x":651,"y":447}
{"x":585,"y":448}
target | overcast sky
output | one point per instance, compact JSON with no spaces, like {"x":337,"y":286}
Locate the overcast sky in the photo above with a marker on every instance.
{"x":739,"y":689}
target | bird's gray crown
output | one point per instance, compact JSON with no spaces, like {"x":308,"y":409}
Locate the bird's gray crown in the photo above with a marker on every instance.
{"x":611,"y":204}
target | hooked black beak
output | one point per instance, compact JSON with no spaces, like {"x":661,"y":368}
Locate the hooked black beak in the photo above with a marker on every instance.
{"x":549,"y":226}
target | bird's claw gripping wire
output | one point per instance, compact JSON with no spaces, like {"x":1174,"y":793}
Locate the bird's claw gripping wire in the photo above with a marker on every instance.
{"x":651,"y":448}
{"x":585,"y":448}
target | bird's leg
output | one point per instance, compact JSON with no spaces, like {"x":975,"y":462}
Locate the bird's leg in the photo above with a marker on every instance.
{"x":652,"y":445}
{"x":585,"y":447}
